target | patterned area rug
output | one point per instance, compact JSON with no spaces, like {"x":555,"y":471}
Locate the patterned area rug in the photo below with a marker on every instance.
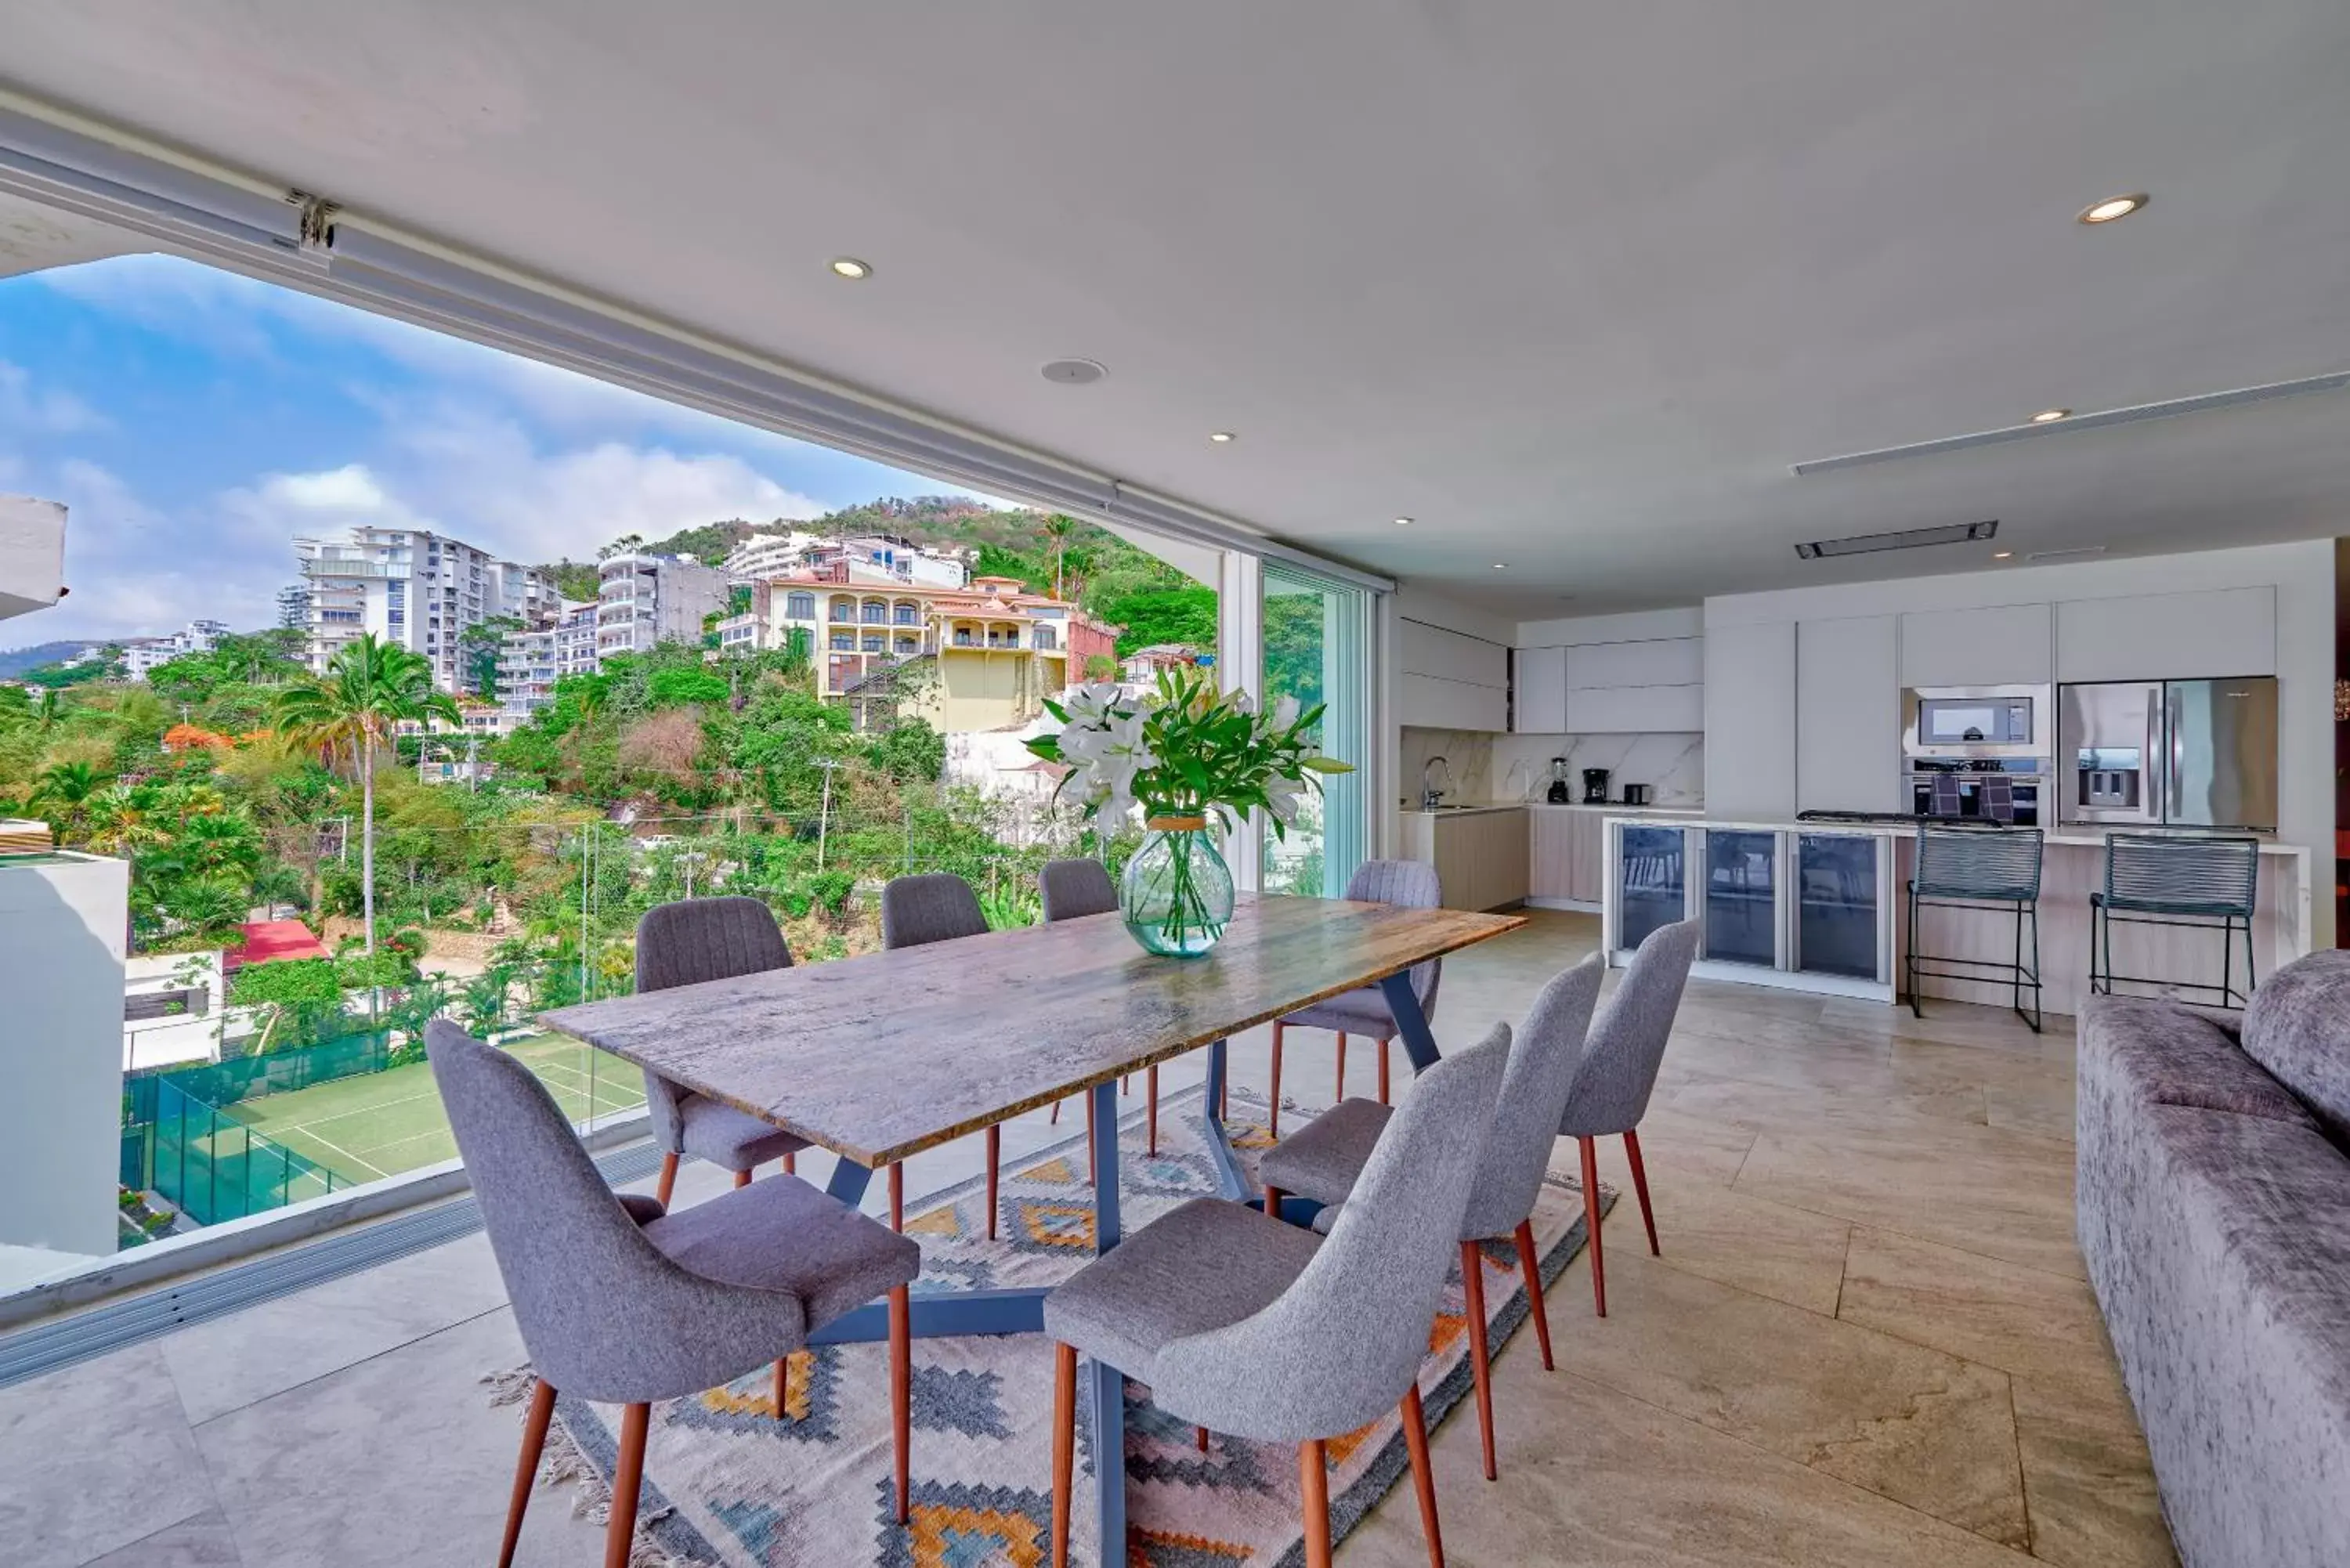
{"x":727,"y":1483}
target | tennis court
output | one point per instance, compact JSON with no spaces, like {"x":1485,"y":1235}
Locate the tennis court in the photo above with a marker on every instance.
{"x":381,"y":1124}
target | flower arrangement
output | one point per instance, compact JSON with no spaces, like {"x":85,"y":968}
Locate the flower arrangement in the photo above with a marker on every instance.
{"x":1183,"y":753}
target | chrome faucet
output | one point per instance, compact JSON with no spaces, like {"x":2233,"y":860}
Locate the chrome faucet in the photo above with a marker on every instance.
{"x":1431,"y":795}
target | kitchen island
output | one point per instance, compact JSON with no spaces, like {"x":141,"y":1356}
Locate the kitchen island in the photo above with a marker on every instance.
{"x":1820,"y":907}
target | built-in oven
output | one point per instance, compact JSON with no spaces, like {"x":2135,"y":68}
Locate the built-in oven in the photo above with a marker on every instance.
{"x":1954,"y":722}
{"x":2009,"y":791}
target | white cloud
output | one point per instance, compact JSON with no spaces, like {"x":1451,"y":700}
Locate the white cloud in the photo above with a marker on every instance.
{"x":26,"y":410}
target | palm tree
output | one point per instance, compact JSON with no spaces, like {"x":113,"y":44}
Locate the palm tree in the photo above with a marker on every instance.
{"x":66,"y":786}
{"x":120,"y":821}
{"x":368,"y":687}
{"x":1058,"y":528}
{"x":48,"y":707}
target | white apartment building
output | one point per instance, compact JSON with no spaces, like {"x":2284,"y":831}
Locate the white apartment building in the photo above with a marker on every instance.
{"x":413,"y":587}
{"x":646,"y":599}
{"x":293,"y":605}
{"x":531,"y":662}
{"x":142,"y":656}
{"x":764,"y":555}
{"x":575,"y":640}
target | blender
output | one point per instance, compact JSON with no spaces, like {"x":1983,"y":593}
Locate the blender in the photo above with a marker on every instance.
{"x":1559,"y":793}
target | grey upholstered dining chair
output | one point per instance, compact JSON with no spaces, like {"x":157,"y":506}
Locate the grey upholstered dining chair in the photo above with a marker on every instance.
{"x":621,"y":1303}
{"x":1324,"y":1161}
{"x":1363,"y":1010}
{"x":935,"y":906}
{"x":1618,"y":1071}
{"x":1072,"y":890}
{"x":1265,"y":1331}
{"x":685,"y":943}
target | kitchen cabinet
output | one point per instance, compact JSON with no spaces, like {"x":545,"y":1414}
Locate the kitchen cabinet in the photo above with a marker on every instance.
{"x":1426,"y":701}
{"x":2167,"y":637}
{"x":1567,"y":854}
{"x":1538,"y":705}
{"x":1654,"y":888}
{"x":1749,"y":720}
{"x":1836,"y":917}
{"x":1847,"y":715}
{"x":1661,"y":662}
{"x":1635,"y":709}
{"x":2004,"y":645}
{"x":1452,"y":656}
{"x":1483,"y":858}
{"x":1741,"y":896}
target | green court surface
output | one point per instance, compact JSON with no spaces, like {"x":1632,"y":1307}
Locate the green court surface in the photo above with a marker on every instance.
{"x":381,"y":1124}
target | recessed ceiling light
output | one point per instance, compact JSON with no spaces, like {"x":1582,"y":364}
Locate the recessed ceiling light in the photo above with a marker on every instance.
{"x":2002,"y":554}
{"x":2113,"y":207}
{"x":1403,"y":522}
{"x":2050,"y":416}
{"x":1221,"y":437}
{"x":1075,"y":372}
{"x":851,"y":269}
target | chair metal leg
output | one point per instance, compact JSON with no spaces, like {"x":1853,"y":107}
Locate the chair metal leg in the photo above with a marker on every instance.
{"x":1054,"y":1119}
{"x":1530,"y":1265}
{"x":1093,"y":1152}
{"x":1314,"y":1480}
{"x":901,"y":1392}
{"x":1278,"y":1027}
{"x":1908,"y":961}
{"x":668,"y":1183}
{"x":628,"y":1479}
{"x":1150,"y":1088}
{"x":994,"y":1164}
{"x":1472,"y":1288}
{"x":897,"y":1197}
{"x":1342,"y":1064}
{"x":1591,"y":1222}
{"x":1383,"y":1072}
{"x":1640,"y":1186}
{"x":533,"y":1443}
{"x":1065,"y":1445}
{"x":1423,"y":1474}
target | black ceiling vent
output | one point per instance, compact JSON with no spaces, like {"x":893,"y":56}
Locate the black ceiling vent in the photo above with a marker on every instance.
{"x":1908,"y":539}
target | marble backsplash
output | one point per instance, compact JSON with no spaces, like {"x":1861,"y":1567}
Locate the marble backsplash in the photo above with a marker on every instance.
{"x":1489,"y":767}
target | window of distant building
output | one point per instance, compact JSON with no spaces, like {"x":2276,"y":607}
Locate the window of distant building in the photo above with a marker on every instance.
{"x":908,"y":615}
{"x":844,"y":610}
{"x":876,"y":643}
{"x":907,"y":645}
{"x":799,"y":606}
{"x":1045,"y":638}
{"x":844,"y":642}
{"x":876,"y":613}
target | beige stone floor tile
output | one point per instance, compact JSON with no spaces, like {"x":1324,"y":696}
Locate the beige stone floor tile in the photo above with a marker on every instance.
{"x":394,"y":1461}
{"x":1722,"y":1094}
{"x":1672,"y":1145}
{"x":2089,"y":1484}
{"x":1706,"y":1230}
{"x":1922,"y":1427}
{"x":203,"y":1541}
{"x":94,"y":1458}
{"x":2047,"y":1108}
{"x":1981,"y":1190}
{"x":1992,"y":1028}
{"x":1595,"y":1478}
{"x":2035,"y":1324}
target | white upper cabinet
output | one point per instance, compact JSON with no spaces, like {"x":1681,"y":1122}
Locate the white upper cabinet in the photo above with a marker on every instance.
{"x":2167,"y":637}
{"x":2005,"y":645}
{"x":1636,"y":710}
{"x":1444,"y":654}
{"x":1426,"y":701}
{"x":1665,"y":662}
{"x":1847,"y":715}
{"x":1538,"y":706}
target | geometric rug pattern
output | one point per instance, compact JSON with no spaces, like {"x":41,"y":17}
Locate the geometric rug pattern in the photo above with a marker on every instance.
{"x":728,"y":1483}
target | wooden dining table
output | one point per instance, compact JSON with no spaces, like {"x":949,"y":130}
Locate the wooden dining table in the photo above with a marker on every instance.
{"x":880,"y":1057}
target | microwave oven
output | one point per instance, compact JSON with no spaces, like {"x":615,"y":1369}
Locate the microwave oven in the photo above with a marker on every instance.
{"x":1976,"y":721}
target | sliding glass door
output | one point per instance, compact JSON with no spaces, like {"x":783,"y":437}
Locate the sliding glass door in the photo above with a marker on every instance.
{"x":1316,"y":637}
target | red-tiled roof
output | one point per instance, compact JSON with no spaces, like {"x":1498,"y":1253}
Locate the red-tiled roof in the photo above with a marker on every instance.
{"x":266,"y":941}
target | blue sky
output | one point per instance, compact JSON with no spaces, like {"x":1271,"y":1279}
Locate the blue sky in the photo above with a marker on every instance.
{"x":195,"y":421}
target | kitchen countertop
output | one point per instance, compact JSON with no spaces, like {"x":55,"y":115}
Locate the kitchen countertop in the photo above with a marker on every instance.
{"x":2074,"y":839}
{"x":1615,"y":808}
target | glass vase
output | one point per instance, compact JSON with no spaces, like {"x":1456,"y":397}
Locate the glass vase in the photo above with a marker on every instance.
{"x":1177,"y":893}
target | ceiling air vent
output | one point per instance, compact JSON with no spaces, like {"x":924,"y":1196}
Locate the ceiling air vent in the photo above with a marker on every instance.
{"x":1908,"y":539}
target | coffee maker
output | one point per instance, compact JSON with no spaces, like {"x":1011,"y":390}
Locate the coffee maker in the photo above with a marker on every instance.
{"x":1594,"y":786}
{"x":1559,"y":794}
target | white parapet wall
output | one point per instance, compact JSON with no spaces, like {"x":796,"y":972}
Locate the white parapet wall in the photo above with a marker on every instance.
{"x":63,"y":920}
{"x":31,"y":553}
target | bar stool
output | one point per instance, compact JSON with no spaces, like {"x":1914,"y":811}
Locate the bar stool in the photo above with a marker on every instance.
{"x":1978,"y":868}
{"x":2186,"y":882}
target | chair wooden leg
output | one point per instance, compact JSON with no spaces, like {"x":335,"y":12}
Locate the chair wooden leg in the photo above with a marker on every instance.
{"x":1314,"y":1480}
{"x":1150,"y":1087}
{"x":1591,"y":1222}
{"x":901,"y":1392}
{"x":1640,"y":1186}
{"x":628,"y":1478}
{"x":1065,"y":1445}
{"x":668,"y":1184}
{"x":783,"y":1388}
{"x":533,"y":1443}
{"x":1530,"y":1265}
{"x":1423,"y":1475}
{"x":791,"y":1163}
{"x":742,"y":1178}
{"x":994,"y":1161}
{"x":1383,"y":1072}
{"x":1202,"y":1436}
{"x":1341,"y":1066}
{"x":1472,"y":1282}
{"x":897,"y":1197}
{"x":1272,"y":1196}
{"x":1277,"y":1029}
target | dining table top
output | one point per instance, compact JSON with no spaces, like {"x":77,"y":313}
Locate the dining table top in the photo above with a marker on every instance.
{"x":880,"y":1056}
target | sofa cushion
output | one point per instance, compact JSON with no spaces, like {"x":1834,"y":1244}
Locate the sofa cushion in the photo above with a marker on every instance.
{"x":2159,"y":1052}
{"x":2298,"y":1027}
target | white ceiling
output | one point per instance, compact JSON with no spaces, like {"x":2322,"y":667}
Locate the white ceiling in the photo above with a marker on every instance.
{"x":1571,"y":284}
{"x":33,"y":237}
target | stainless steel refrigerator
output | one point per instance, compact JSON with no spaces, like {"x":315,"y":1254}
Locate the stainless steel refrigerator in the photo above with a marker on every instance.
{"x":2168,"y":754}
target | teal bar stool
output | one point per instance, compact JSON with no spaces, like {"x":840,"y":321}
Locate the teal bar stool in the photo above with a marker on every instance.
{"x":1982,"y":868}
{"x":2202,"y":883}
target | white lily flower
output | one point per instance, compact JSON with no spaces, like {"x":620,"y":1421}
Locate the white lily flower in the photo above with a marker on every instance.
{"x":1242,"y":703}
{"x":1126,"y":745}
{"x":1281,"y":796}
{"x":1285,"y":712}
{"x":1091,"y":702}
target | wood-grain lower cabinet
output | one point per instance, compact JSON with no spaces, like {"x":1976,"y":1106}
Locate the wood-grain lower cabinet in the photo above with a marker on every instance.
{"x":1569,"y":854}
{"x":1481,"y":857}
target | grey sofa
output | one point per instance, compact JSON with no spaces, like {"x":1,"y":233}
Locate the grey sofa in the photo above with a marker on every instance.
{"x":2214,"y":1212}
